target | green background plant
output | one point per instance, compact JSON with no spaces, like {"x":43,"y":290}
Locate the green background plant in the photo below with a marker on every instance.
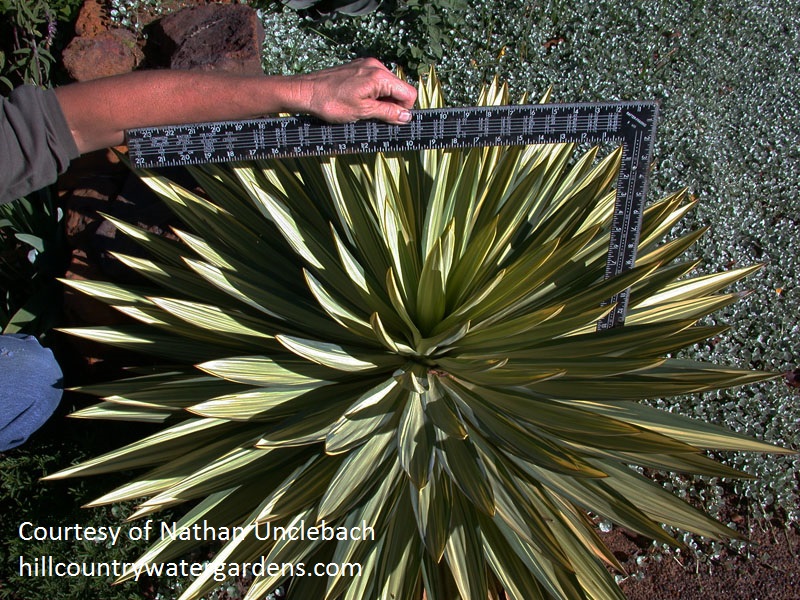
{"x":24,"y":498}
{"x":32,"y":255}
{"x":31,"y":35}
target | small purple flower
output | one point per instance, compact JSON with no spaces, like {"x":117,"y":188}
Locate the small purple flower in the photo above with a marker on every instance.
{"x":52,"y":28}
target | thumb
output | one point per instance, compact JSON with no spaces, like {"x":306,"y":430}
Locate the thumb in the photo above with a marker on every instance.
{"x":390,"y":112}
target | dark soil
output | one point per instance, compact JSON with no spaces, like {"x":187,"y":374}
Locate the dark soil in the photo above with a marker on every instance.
{"x":772,"y":572}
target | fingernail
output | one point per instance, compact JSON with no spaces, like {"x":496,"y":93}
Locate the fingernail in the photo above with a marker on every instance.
{"x":405,"y":116}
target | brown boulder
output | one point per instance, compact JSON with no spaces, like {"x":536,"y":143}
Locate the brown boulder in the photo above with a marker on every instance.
{"x":93,"y":19}
{"x":210,"y":37}
{"x":111,"y":52}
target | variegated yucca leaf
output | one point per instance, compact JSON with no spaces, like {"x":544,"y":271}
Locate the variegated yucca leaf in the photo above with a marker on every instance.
{"x":408,"y":340}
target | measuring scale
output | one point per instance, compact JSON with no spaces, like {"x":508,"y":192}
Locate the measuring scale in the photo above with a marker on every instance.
{"x":629,"y":124}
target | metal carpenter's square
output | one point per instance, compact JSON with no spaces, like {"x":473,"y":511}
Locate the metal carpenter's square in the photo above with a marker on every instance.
{"x":629,"y":124}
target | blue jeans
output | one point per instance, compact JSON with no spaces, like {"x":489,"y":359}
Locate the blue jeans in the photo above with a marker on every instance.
{"x":30,"y":388}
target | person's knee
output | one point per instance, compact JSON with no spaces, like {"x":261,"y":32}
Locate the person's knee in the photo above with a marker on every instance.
{"x":30,"y":388}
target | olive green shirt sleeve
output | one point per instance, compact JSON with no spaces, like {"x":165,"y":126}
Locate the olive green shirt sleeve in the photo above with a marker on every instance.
{"x":36,"y":144}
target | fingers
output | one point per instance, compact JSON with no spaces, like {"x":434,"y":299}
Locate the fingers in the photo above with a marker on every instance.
{"x":390,"y":100}
{"x":361,"y":89}
{"x":384,"y":110}
{"x":387,"y":97}
{"x":401,"y":92}
{"x":391,"y":87}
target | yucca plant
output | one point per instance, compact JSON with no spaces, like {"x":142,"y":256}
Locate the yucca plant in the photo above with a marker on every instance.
{"x":408,"y":341}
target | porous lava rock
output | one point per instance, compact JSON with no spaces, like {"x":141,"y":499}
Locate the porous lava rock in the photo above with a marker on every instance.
{"x":99,"y":49}
{"x":111,"y":52}
{"x":224,"y":37}
{"x":93,"y":19}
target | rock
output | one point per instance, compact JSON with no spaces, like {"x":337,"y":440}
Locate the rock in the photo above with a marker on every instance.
{"x":209,"y":37}
{"x":111,"y":52}
{"x":99,"y":50}
{"x":93,"y":19}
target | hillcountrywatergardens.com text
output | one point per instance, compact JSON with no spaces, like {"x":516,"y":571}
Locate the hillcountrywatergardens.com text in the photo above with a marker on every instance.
{"x":48,"y":566}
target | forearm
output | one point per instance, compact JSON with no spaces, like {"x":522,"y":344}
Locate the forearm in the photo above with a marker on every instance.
{"x":98,"y":112}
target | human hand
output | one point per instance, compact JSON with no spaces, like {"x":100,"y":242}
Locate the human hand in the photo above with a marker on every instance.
{"x":362,"y":89}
